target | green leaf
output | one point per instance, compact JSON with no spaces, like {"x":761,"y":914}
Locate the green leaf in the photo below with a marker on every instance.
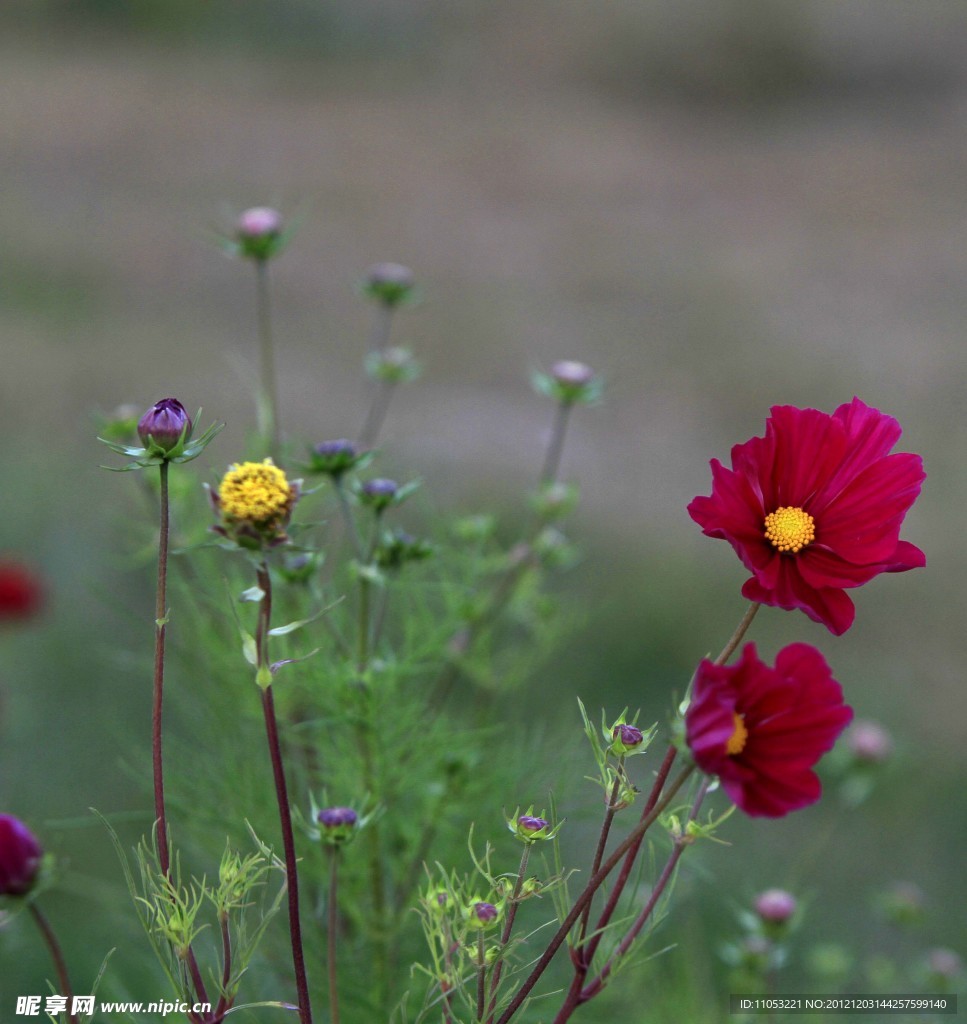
{"x":249,"y":648}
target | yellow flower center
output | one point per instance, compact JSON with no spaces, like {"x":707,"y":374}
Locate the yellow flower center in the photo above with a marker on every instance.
{"x":736,"y":743}
{"x":257,"y":491}
{"x":790,"y":528}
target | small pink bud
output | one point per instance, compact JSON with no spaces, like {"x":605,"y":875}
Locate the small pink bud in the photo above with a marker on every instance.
{"x":571,"y":373}
{"x":775,"y":906}
{"x":869,"y":742}
{"x":259,"y":221}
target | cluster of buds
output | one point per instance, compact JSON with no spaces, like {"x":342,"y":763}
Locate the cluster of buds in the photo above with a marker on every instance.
{"x":20,"y":857}
{"x":254,"y":504}
{"x":165,"y":431}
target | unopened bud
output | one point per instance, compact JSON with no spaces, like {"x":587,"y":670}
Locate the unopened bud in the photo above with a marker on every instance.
{"x":165,"y":425}
{"x":389,"y":283}
{"x":20,"y":857}
{"x":775,"y":906}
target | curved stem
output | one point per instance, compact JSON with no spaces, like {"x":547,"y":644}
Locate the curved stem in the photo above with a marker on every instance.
{"x":282,"y":798}
{"x":595,"y":883}
{"x":57,"y":955}
{"x":646,"y":911}
{"x":740,"y":631}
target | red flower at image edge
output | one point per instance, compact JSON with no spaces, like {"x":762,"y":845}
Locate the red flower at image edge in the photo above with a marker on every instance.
{"x":815,"y":507}
{"x":761,"y":730}
{"x":21,"y":595}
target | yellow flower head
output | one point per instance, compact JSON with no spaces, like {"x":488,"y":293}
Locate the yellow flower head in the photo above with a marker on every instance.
{"x":256,"y":492}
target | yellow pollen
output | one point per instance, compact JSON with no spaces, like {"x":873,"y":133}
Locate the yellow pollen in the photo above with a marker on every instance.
{"x":256,"y":491}
{"x":737,"y":740}
{"x":790,"y":528}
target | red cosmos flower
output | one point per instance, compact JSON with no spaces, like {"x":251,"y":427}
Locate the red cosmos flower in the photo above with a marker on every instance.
{"x":815,"y":507}
{"x":761,"y":730}
{"x":20,"y":592}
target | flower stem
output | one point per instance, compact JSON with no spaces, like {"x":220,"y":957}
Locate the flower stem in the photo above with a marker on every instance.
{"x":223,"y":1002}
{"x":57,"y":955}
{"x":378,"y":409}
{"x":481,"y":975}
{"x":646,"y":911}
{"x":160,"y":621}
{"x":555,"y":448}
{"x":384,"y":389}
{"x":508,"y":928}
{"x":594,"y":883}
{"x":331,"y":937}
{"x":270,"y":426}
{"x":282,"y":798}
{"x":740,"y":631}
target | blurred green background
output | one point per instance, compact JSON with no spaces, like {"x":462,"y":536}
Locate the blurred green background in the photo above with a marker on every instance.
{"x":720,"y":205}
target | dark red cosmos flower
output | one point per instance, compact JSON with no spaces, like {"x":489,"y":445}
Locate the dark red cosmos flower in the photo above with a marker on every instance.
{"x":21,"y":594}
{"x":815,"y":507}
{"x":20,"y":856}
{"x":761,"y":730}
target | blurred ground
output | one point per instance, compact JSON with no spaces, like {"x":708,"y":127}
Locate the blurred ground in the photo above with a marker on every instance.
{"x":719,"y":206}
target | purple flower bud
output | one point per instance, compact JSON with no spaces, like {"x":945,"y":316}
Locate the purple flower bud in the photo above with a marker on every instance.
{"x":163,"y":424}
{"x":389,"y":283}
{"x":20,"y":857}
{"x":531,"y":823}
{"x":378,"y":493}
{"x":626,"y":737}
{"x":944,"y":963}
{"x":571,"y":373}
{"x":259,"y":222}
{"x":775,"y":906}
{"x":337,"y":817}
{"x":259,"y":233}
{"x":338,"y":824}
{"x":869,"y":743}
{"x":334,"y":457}
{"x":484,"y":913}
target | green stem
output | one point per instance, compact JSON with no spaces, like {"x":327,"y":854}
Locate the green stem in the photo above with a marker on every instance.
{"x":740,"y":631}
{"x":382,"y":397}
{"x":56,"y":954}
{"x":555,"y":448}
{"x":270,"y":426}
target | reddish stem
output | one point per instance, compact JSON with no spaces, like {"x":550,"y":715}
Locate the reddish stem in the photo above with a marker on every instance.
{"x":282,"y":798}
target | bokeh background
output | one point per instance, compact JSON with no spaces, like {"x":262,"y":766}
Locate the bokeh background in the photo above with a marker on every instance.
{"x":720,"y":205}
